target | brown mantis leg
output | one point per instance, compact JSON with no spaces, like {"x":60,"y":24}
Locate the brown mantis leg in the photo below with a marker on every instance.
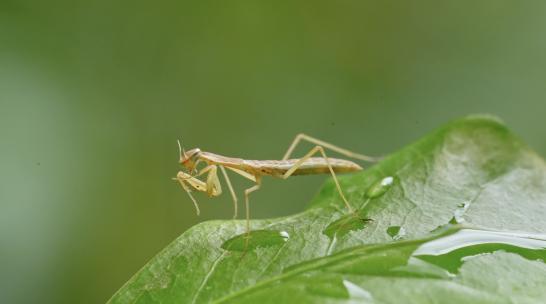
{"x":329,"y":146}
{"x":230,"y":187}
{"x":247,"y":207}
{"x":309,"y":155}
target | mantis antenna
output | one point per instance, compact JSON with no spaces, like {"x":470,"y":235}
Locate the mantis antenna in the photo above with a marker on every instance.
{"x":180,"y":149}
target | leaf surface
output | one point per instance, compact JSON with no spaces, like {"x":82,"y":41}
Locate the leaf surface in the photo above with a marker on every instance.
{"x":471,"y":182}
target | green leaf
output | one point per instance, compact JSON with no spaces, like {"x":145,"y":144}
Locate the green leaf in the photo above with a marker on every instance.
{"x":457,"y":217}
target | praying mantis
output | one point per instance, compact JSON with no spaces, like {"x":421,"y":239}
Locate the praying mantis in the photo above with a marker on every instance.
{"x":254,"y":170}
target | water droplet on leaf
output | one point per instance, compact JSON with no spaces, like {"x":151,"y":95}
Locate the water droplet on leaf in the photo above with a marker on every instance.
{"x":255,"y":239}
{"x":451,"y":251}
{"x":396,"y":232}
{"x":459,"y":213}
{"x":380,"y":187}
{"x":356,"y":292}
{"x":345,"y":224}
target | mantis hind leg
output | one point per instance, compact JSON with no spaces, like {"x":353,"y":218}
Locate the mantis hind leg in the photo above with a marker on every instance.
{"x":302,"y":160}
{"x":329,"y":146}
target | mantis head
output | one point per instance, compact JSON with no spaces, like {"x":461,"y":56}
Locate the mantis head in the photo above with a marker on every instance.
{"x":189,"y":159}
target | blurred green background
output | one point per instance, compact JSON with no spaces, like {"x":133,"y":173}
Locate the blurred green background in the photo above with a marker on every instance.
{"x":94,"y":94}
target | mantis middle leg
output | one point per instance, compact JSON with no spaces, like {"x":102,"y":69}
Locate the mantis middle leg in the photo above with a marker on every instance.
{"x":231,"y":191}
{"x":247,"y":207}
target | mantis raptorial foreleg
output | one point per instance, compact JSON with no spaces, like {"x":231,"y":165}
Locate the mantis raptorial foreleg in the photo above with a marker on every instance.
{"x":313,"y":151}
{"x":212,"y":187}
{"x":326,"y":145}
{"x":213,"y":183}
{"x":185,"y":179}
